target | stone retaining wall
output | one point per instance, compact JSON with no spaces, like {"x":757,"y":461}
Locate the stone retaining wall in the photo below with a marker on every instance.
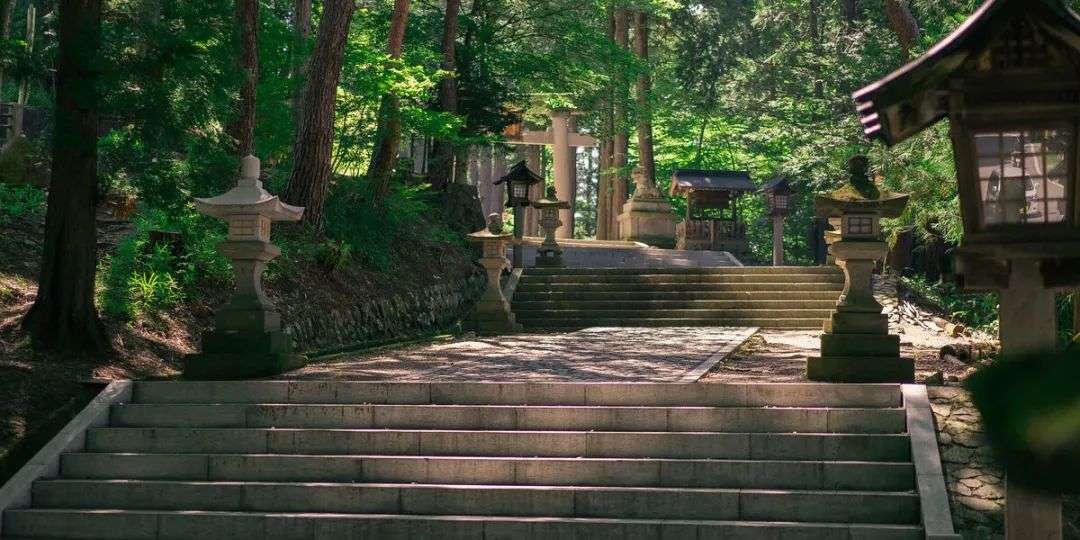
{"x":433,"y":308}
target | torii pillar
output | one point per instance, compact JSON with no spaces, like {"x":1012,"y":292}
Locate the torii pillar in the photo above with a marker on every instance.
{"x":564,"y":141}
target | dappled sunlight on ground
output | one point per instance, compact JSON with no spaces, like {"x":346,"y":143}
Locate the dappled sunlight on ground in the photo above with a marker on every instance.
{"x":595,"y":354}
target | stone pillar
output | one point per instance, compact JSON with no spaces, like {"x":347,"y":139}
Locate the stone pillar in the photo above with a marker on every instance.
{"x":1028,"y":325}
{"x":778,"y":240}
{"x":562,"y":157}
{"x":856,"y":345}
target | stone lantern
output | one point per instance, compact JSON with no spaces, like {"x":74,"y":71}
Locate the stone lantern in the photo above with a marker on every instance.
{"x":247,"y":340}
{"x":493,"y":315}
{"x":1008,"y":82}
{"x":856,"y":345}
{"x":778,"y":197}
{"x":519,"y":181}
{"x":550,"y":254}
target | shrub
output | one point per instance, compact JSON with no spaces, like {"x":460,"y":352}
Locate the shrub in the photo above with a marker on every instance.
{"x":20,"y":201}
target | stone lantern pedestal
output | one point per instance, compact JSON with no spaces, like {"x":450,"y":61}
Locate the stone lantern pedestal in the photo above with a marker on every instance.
{"x":247,"y":340}
{"x":492,"y":314}
{"x":856,"y":345}
{"x":550,"y":254}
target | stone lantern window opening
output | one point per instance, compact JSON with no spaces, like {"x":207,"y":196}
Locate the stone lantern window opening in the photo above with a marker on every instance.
{"x":856,"y":226}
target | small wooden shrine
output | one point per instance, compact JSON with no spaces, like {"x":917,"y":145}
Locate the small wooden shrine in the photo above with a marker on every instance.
{"x":712,"y":220}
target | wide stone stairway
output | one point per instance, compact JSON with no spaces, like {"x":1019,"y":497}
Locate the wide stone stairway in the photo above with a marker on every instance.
{"x":337,"y":460}
{"x":766,"y":297}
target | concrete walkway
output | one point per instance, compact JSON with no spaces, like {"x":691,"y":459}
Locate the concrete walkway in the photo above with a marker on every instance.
{"x":595,"y":354}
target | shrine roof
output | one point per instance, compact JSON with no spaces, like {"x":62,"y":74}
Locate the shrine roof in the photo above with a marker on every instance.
{"x":915,"y":88}
{"x":687,"y":180}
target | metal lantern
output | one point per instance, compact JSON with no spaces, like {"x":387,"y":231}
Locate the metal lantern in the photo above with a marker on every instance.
{"x":1007,"y":81}
{"x":778,"y":196}
{"x":518,"y":181}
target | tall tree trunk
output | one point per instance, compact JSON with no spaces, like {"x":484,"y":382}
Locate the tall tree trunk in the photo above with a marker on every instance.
{"x":441,"y":170}
{"x":644,"y":88}
{"x":903,"y":24}
{"x":243,"y":127}
{"x":620,"y":141}
{"x":388,"y":134}
{"x":852,"y":11}
{"x":310,"y":180}
{"x":63,"y":316}
{"x":605,"y":184}
{"x":302,"y":29}
{"x":7,"y":13}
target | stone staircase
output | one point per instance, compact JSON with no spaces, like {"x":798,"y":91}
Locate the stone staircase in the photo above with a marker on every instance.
{"x":766,"y":297}
{"x":334,"y":460}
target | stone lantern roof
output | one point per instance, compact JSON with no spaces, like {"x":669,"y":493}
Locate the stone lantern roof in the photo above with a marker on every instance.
{"x":493,"y":231}
{"x":551,"y":201}
{"x":248,"y":198}
{"x":861,"y":196}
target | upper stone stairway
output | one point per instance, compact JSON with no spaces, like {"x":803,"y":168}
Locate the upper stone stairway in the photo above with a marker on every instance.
{"x":339,"y":460}
{"x":766,"y":297}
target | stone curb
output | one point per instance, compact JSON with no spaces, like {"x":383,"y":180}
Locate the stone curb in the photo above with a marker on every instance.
{"x":72,"y":438}
{"x":703,"y":368}
{"x":929,"y":474}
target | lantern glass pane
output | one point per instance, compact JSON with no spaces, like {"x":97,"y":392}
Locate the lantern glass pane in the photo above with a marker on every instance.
{"x":520,"y":190}
{"x":1024,"y":175}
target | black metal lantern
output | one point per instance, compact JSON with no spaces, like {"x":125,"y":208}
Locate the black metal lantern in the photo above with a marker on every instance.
{"x":518,"y":181}
{"x":778,"y":195}
{"x":1008,"y":83}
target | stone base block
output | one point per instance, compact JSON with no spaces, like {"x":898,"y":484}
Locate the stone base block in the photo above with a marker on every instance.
{"x":857,"y":323}
{"x":887,"y":346}
{"x":242,"y":355}
{"x":648,"y":221}
{"x":493,"y":318}
{"x":860,"y":369}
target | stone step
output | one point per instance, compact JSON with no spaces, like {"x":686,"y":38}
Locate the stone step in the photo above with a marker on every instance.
{"x":484,"y":500}
{"x":513,"y":417}
{"x":655,"y":295}
{"x":728,"y":270}
{"x":709,"y":314}
{"x":578,"y":324}
{"x":482,"y":393}
{"x":687,"y":304}
{"x":527,"y":287}
{"x":530,"y":279}
{"x":188,"y":525}
{"x":698,"y":445}
{"x":707,"y":473}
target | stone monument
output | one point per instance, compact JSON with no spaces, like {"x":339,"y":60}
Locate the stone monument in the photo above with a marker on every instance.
{"x":549,"y":254}
{"x":647,"y":216}
{"x":492,"y":314}
{"x":247,"y":340}
{"x":856,"y":345}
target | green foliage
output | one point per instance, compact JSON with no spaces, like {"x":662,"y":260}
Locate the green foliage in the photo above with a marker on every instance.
{"x":979,"y":311}
{"x":20,"y":201}
{"x":145,"y":277}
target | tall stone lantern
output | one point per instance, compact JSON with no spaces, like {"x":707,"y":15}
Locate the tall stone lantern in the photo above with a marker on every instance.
{"x":519,"y":182}
{"x":856,"y":345}
{"x":1008,"y":82}
{"x":247,"y":340}
{"x":493,"y":315}
{"x":550,"y":254}
{"x":778,"y":198}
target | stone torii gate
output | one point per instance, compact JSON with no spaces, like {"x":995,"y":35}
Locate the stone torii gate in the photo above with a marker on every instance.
{"x":564,"y":140}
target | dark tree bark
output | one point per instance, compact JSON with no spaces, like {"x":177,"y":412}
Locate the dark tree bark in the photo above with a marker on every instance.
{"x":441,"y":169}
{"x":388,"y":134}
{"x":7,"y":12}
{"x":310,"y":180}
{"x":852,"y":10}
{"x":242,"y":129}
{"x":903,"y":24}
{"x":605,"y":183}
{"x":644,"y":87}
{"x":63,"y":316}
{"x":303,"y":18}
{"x":621,"y":141}
{"x":302,"y":29}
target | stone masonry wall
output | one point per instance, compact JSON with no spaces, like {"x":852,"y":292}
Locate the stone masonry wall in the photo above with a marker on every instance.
{"x":410,"y":313}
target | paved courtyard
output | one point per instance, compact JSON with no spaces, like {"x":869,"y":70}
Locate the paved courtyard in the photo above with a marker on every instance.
{"x":594,"y":354}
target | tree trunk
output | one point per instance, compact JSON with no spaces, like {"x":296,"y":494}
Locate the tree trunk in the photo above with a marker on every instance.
{"x":605,"y":184}
{"x":441,"y":171}
{"x":644,"y":88}
{"x":243,"y":127}
{"x":310,"y":180}
{"x":63,"y":316}
{"x":7,"y":12}
{"x":388,"y":134}
{"x":302,"y":29}
{"x":620,"y":141}
{"x":904,"y":25}
{"x":852,"y":11}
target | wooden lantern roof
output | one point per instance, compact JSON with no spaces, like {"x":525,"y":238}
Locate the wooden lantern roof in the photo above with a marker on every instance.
{"x":779,"y":184}
{"x":520,"y":172}
{"x":685,"y":181}
{"x":1002,"y":34}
